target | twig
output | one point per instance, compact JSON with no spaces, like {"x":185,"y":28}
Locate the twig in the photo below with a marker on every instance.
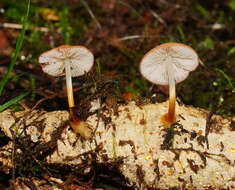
{"x":158,"y":17}
{"x":43,"y":100}
{"x":131,"y":37}
{"x":201,"y":62}
{"x":91,"y":14}
{"x":20,"y":26}
{"x":208,"y":125}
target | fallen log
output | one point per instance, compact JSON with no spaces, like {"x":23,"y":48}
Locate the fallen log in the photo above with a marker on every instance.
{"x":196,"y":152}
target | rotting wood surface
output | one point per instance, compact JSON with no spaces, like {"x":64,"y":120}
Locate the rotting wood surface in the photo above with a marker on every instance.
{"x":190,"y":154}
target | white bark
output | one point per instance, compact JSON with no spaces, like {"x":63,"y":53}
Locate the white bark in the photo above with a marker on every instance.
{"x":195,"y":153}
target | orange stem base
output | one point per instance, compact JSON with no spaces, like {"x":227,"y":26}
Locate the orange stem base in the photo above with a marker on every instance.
{"x":166,"y":120}
{"x":79,"y":126}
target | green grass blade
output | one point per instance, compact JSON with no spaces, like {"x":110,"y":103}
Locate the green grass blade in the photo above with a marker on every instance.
{"x":19,"y":43}
{"x":231,"y":51}
{"x":13,"y":101}
{"x":65,"y":25}
{"x":230,"y":84}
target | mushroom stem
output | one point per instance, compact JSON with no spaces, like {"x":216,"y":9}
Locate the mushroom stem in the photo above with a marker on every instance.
{"x":169,"y":117}
{"x":172,"y":99}
{"x":69,"y":85}
{"x":78,"y":125}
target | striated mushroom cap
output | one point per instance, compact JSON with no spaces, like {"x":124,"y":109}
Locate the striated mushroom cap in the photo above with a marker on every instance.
{"x":53,"y":61}
{"x":180,"y":58}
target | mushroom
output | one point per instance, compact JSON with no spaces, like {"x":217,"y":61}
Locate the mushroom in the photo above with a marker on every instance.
{"x":169,"y":64}
{"x":70,"y":61}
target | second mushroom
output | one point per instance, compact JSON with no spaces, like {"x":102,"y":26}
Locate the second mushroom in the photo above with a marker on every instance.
{"x":70,"y":61}
{"x":169,"y":64}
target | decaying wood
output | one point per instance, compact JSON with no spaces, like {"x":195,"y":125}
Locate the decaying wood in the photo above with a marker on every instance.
{"x":197,"y":152}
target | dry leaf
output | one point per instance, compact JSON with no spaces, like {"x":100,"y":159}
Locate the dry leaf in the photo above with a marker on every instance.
{"x":49,"y":14}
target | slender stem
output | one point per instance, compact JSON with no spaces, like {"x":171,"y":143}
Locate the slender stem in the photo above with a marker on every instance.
{"x":69,"y":84}
{"x":78,"y":126}
{"x":172,"y":95}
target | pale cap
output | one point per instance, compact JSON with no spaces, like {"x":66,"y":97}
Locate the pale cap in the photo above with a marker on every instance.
{"x":80,"y":58}
{"x":180,"y":58}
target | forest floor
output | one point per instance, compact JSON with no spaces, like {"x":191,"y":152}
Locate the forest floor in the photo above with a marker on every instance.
{"x":119,"y":33}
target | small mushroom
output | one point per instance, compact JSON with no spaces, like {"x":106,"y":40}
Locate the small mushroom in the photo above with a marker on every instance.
{"x":168,"y":64}
{"x":70,"y":61}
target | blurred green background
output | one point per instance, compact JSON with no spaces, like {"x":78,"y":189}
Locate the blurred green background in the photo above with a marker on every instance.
{"x":119,"y":33}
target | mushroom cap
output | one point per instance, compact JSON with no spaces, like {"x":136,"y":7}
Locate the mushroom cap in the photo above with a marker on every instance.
{"x":53,"y":61}
{"x":180,"y":58}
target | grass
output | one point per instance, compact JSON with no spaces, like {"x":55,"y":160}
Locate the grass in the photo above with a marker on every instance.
{"x":13,"y":101}
{"x":15,"y":55}
{"x":227,"y":79}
